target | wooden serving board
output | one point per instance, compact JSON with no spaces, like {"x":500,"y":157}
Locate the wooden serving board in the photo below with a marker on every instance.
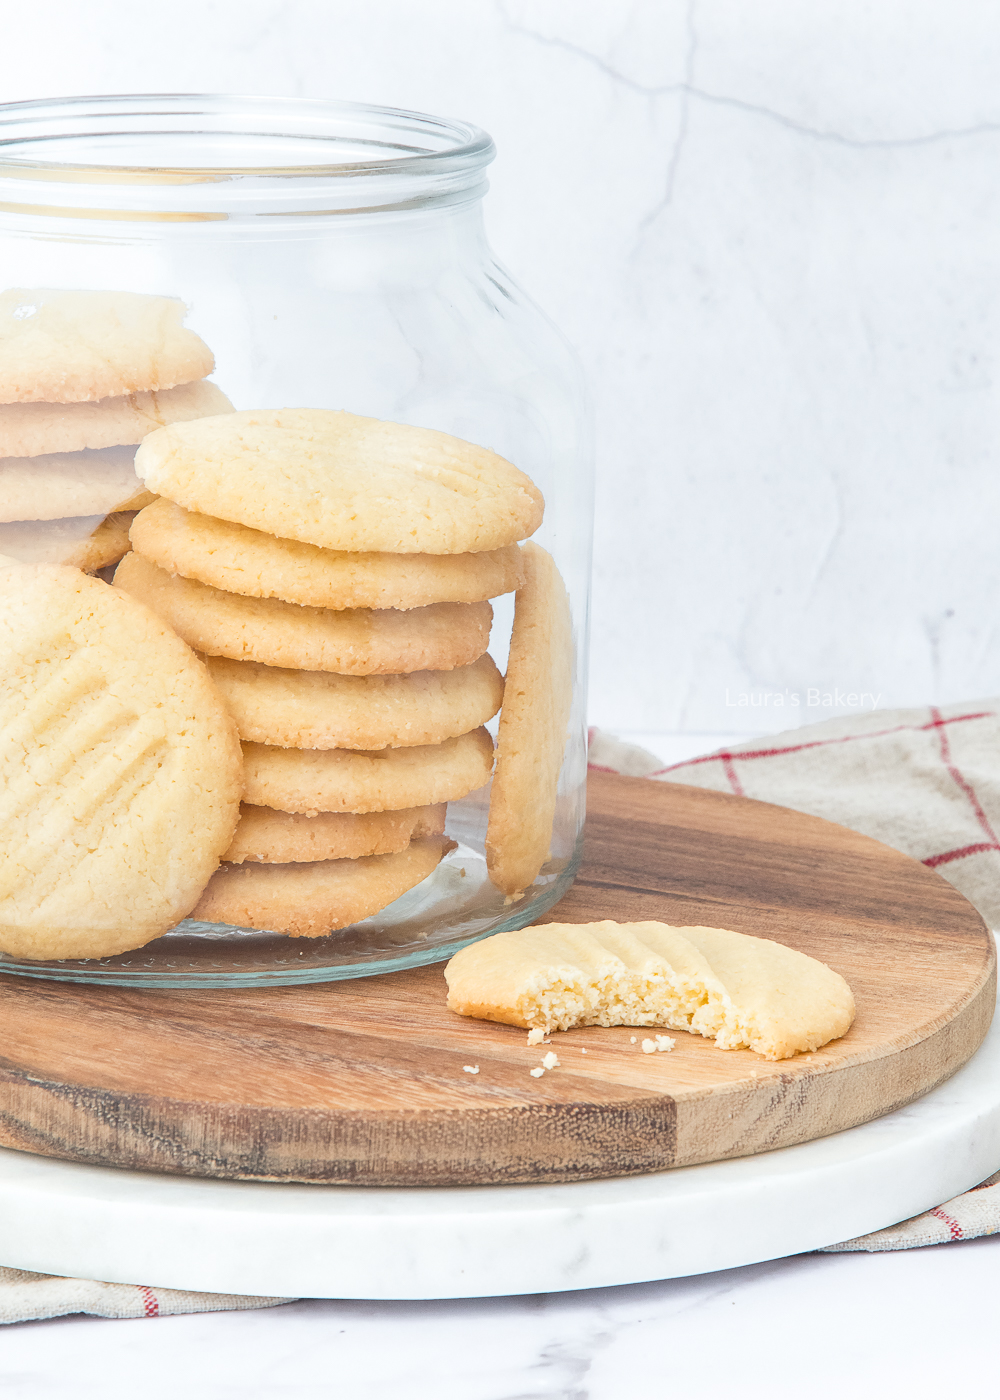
{"x":362,"y":1082}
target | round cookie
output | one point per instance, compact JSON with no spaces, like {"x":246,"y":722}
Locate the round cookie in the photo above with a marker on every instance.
{"x":344,"y":780}
{"x":531,"y":741}
{"x":343,"y":482}
{"x":120,"y":770}
{"x":63,"y":484}
{"x":308,"y":900}
{"x":270,"y":837}
{"x":321,"y":710}
{"x":88,"y":543}
{"x":257,"y":565}
{"x":351,"y":641}
{"x":65,"y":347}
{"x":32,"y":429}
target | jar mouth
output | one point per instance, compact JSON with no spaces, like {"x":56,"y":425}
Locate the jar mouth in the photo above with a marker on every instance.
{"x":170,"y":155}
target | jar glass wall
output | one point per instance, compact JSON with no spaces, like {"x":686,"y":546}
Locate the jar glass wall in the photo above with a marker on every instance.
{"x":331,"y":257}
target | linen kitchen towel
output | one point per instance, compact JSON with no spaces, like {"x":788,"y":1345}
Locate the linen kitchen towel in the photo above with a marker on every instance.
{"x":926,"y":781}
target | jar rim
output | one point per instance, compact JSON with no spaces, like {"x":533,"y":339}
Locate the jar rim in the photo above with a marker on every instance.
{"x":448,"y":140}
{"x":211,"y":156}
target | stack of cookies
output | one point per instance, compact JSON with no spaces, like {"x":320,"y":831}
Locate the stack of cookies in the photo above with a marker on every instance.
{"x":334,"y":572}
{"x":84,"y":376}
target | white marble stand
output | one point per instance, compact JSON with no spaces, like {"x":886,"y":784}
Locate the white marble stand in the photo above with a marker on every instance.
{"x":344,"y":1242}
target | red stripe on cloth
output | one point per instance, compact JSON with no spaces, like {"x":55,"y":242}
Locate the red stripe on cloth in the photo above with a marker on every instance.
{"x":601,"y":768}
{"x":731,"y":774}
{"x":823,"y":743}
{"x":963,"y":851}
{"x":150,"y":1303}
{"x":954,"y":1229}
{"x":938,"y":722}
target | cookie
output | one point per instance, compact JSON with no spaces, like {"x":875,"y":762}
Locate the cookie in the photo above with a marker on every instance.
{"x":68,"y":347}
{"x":270,"y":837}
{"x":33,"y":429}
{"x":241,"y":560}
{"x":531,"y":741}
{"x":321,"y":710}
{"x":345,"y":780}
{"x":743,"y":992}
{"x":88,"y":543}
{"x":342,"y":482}
{"x":309,"y":900}
{"x":351,"y":641}
{"x":63,"y":484}
{"x":120,"y":770}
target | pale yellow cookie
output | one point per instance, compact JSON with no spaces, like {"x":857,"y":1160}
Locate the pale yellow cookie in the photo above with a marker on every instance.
{"x":65,"y":347}
{"x":350,"y":641}
{"x":88,"y":543}
{"x":346,"y":780}
{"x":342,"y":482}
{"x":321,"y":710}
{"x":31,"y":429}
{"x":64,"y":484}
{"x":270,"y":837}
{"x":309,"y":900}
{"x":743,"y":992}
{"x":538,"y":691}
{"x":120,"y":770}
{"x":241,"y":560}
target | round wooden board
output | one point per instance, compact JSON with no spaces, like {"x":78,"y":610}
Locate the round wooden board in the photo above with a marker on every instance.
{"x":363,"y":1082}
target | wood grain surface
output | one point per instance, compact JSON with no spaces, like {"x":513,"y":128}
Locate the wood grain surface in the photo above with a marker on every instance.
{"x":363,"y":1082}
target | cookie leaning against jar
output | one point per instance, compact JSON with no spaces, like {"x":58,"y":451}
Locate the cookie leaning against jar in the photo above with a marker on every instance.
{"x":335,"y":570}
{"x":120,"y":769}
{"x":84,"y":377}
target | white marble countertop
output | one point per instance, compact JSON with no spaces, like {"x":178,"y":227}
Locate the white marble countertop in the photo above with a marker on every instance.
{"x":907,"y":1323}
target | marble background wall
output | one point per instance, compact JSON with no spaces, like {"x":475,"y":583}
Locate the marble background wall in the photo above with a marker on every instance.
{"x":772,"y":232}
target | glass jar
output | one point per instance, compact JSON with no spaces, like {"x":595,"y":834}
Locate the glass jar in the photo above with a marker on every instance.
{"x":331,"y":257}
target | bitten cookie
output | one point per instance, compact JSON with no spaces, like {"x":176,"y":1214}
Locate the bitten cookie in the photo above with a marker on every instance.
{"x":350,"y":641}
{"x":120,"y":770}
{"x":345,"y":780}
{"x":241,"y":560}
{"x":270,"y":837}
{"x":32,"y":429}
{"x":343,"y":482}
{"x":320,"y":710}
{"x":65,"y":347}
{"x":63,"y":484}
{"x":88,"y":543}
{"x":309,"y":900}
{"x":538,"y":691}
{"x":741,"y":991}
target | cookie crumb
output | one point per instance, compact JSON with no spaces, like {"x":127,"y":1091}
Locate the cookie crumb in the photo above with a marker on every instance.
{"x":583,"y":1050}
{"x":537,"y":1037}
{"x":471,"y":1069}
{"x":537,"y":1073}
{"x":661,"y":1042}
{"x":631,"y":1039}
{"x":551,"y":1060}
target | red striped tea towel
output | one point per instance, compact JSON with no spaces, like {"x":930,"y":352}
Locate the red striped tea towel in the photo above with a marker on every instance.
{"x":924,"y":781}
{"x":28,"y":1297}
